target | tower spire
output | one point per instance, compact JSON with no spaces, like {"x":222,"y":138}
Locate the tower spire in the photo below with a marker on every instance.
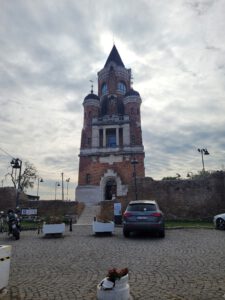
{"x":114,"y":57}
{"x":91,"y":86}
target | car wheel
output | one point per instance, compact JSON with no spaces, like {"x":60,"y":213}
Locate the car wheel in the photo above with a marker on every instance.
{"x":220,"y":224}
{"x":162,"y":233}
{"x":126,"y":233}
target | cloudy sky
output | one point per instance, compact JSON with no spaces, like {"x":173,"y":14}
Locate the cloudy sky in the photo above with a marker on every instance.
{"x":50,"y":50}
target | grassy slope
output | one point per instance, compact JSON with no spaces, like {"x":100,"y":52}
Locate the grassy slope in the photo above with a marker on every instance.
{"x":189,"y":224}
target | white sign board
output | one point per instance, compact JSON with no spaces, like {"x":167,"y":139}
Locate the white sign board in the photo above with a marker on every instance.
{"x":117,"y":209}
{"x":29,"y":211}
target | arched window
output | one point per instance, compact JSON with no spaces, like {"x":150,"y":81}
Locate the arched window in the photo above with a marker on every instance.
{"x":104,"y":88}
{"x":121,"y":87}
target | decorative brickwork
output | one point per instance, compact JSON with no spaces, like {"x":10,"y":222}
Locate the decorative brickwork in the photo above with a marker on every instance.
{"x":111,"y":136}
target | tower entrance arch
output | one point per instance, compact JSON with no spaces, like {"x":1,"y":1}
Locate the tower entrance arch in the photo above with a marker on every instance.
{"x":111,"y":186}
{"x":110,"y":189}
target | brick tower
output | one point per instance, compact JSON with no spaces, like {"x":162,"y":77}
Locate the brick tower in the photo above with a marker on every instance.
{"x":111,"y":138}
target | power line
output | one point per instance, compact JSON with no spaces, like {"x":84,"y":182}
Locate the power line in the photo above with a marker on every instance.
{"x":6,"y":152}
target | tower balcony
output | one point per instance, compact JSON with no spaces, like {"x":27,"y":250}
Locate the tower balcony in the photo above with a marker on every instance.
{"x":108,"y":120}
{"x":104,"y":151}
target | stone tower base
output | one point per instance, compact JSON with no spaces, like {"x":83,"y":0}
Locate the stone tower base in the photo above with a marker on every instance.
{"x":88,"y":194}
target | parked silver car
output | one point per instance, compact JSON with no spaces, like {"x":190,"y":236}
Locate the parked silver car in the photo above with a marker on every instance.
{"x":219,"y":221}
{"x":143,"y":215}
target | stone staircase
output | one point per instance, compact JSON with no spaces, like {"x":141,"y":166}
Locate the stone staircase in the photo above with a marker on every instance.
{"x":88,"y":214}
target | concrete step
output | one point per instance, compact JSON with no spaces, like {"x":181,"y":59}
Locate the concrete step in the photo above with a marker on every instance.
{"x":88,"y":214}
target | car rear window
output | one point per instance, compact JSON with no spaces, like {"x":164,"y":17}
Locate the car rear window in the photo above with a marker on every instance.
{"x":141,"y":207}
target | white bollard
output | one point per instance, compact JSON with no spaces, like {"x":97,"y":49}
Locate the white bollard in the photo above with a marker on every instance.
{"x":5,"y":256}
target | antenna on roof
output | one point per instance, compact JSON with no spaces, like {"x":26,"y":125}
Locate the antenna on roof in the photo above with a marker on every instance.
{"x":91,"y":86}
{"x":113,"y":40}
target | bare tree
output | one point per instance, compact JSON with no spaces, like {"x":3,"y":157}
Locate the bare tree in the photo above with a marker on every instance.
{"x":27,"y":177}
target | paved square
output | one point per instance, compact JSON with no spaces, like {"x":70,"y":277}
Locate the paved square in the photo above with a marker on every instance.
{"x":188,"y":264}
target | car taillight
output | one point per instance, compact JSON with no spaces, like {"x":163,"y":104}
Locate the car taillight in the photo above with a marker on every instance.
{"x":156,"y":214}
{"x":127,"y":214}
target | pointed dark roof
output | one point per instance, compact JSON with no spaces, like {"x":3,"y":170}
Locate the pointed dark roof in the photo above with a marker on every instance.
{"x":115,"y":57}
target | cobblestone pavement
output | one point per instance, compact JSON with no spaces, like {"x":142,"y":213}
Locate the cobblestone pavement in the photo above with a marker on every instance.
{"x":188,"y":264}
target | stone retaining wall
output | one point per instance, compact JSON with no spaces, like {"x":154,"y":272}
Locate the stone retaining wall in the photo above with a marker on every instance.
{"x":45,"y":207}
{"x":54,"y":207}
{"x":199,"y":198}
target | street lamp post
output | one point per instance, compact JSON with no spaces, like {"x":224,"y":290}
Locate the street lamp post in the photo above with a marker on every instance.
{"x":203,"y":152}
{"x":39,"y":180}
{"x":67,"y":183}
{"x":16,"y":163}
{"x":134,"y":162}
{"x":62,"y":187}
{"x":56,"y":184}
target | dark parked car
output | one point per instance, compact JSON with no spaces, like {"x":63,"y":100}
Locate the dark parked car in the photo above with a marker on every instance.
{"x":143,"y":215}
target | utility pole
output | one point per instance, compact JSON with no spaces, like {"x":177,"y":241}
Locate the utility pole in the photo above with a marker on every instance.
{"x":62,"y":188}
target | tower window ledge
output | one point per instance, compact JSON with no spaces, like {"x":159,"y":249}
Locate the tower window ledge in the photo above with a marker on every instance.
{"x":121,"y":92}
{"x":120,"y":119}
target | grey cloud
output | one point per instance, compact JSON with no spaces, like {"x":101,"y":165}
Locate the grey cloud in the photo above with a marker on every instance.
{"x":35,"y":33}
{"x":50,"y":50}
{"x":180,"y":147}
{"x":63,"y":162}
{"x":200,"y":7}
{"x":75,"y":106}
